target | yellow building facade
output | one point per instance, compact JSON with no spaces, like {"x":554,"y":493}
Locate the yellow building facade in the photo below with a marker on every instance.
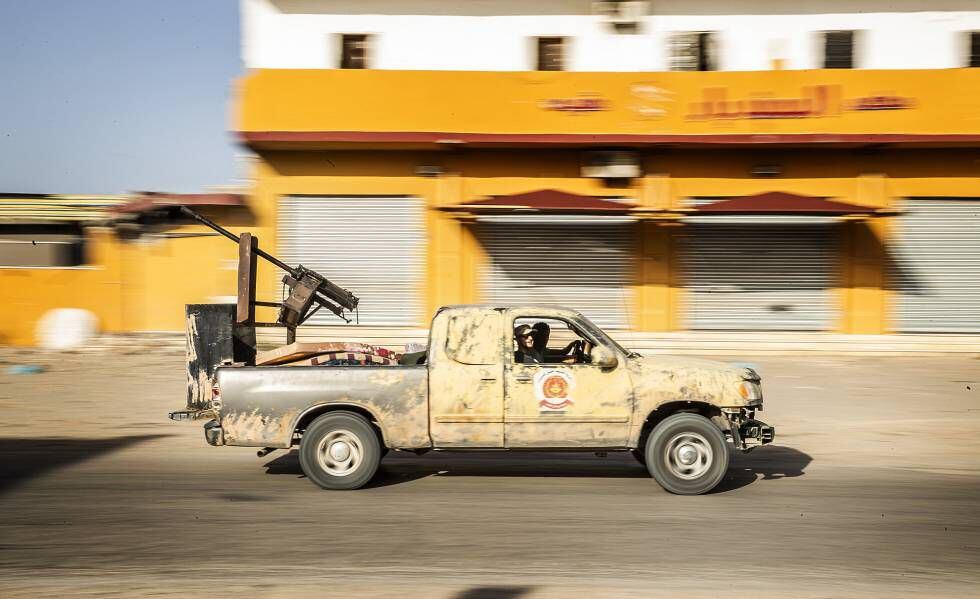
{"x":867,"y":138}
{"x":884,"y":140}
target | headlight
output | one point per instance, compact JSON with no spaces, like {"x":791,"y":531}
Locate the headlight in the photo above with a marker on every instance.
{"x":750,"y":391}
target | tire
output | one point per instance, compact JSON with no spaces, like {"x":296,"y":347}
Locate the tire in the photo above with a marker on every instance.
{"x":687,"y":454}
{"x":640,"y":456}
{"x":340,"y":450}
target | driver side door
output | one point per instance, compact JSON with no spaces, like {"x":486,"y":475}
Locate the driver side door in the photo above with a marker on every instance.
{"x":562,"y":405}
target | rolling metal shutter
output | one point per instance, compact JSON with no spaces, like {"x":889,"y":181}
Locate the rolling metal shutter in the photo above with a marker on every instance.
{"x":935,"y":268}
{"x":584,"y":264}
{"x":374,"y":246}
{"x":769,"y":277}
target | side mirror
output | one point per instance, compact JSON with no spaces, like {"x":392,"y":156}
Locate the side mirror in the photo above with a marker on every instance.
{"x":603,"y":357}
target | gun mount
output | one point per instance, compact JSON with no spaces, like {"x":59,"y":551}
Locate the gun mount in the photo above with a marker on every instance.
{"x":309,"y":291}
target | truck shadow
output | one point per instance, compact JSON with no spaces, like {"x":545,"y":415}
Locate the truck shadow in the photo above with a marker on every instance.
{"x":26,"y":458}
{"x":769,"y":462}
{"x":765,"y":463}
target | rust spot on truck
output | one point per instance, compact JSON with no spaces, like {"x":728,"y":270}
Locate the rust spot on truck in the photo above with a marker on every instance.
{"x":255,"y":427}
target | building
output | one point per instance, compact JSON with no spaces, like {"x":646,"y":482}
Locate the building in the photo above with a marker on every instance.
{"x":695,"y":167}
{"x":123,"y":258}
{"x":662,"y":166}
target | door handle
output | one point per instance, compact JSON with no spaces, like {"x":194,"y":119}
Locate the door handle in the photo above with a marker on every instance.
{"x":522,"y":378}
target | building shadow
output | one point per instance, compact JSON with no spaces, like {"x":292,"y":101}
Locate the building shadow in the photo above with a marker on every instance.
{"x":764,"y":463}
{"x":24,"y":459}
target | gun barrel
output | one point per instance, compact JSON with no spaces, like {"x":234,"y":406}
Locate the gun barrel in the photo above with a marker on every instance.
{"x":329,"y":289}
{"x":223,"y":231}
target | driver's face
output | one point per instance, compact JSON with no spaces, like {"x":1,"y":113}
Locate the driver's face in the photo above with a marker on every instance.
{"x":527,"y":340}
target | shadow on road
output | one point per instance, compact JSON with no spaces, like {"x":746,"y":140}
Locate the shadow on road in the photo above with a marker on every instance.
{"x":24,"y":459}
{"x":765,"y":463}
{"x":498,"y":592}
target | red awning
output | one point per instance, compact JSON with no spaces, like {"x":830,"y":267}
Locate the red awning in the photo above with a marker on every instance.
{"x":144,"y":202}
{"x":547,"y":200}
{"x":779,"y":202}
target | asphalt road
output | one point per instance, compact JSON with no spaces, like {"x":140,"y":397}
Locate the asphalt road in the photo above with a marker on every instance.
{"x":871,"y":489}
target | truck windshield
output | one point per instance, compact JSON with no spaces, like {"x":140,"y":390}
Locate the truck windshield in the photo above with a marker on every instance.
{"x":599,"y":334}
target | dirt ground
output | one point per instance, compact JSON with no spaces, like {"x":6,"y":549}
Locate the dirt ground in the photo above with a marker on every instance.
{"x":871,"y":489}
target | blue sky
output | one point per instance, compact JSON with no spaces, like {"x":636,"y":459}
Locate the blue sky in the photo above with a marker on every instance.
{"x":109,"y":96}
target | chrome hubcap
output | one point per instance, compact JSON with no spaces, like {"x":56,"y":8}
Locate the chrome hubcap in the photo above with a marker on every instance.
{"x":339,"y":453}
{"x":688,"y":455}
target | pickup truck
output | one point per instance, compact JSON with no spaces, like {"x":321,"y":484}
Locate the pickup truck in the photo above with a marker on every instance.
{"x":474,"y":389}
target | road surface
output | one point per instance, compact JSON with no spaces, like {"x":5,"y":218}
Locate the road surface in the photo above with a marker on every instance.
{"x":871,"y":489}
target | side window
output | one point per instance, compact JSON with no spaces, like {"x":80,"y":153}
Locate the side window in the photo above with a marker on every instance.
{"x":543,"y":340}
{"x":838,"y":50}
{"x":474,"y":338}
{"x":550,"y":54}
{"x":693,"y":51}
{"x":354,"y":51}
{"x":28,"y":246}
{"x":973,"y":49}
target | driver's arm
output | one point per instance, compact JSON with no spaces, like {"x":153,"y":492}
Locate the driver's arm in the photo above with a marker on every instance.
{"x":573,"y":347}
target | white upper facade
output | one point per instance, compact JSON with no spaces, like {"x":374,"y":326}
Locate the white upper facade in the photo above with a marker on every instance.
{"x":501,"y":35}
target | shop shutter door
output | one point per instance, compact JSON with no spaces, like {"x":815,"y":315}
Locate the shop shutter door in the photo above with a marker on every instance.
{"x":767,"y":277}
{"x":373,"y":246}
{"x":936,"y":266}
{"x":583,"y":266}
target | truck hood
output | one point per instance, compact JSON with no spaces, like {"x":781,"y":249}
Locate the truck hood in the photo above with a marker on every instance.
{"x":679,"y":378}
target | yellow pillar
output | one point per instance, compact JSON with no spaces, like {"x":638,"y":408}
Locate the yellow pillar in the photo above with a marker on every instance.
{"x":454,"y":254}
{"x":864,"y":294}
{"x":105,"y":250}
{"x":658,"y":292}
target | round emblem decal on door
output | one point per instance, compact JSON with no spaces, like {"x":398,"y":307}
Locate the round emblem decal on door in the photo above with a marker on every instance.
{"x":553,"y":390}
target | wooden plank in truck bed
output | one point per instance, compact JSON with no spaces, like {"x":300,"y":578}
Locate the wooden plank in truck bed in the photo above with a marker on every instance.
{"x":303,"y":351}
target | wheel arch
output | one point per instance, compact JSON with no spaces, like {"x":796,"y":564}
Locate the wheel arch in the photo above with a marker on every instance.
{"x":306,"y":417}
{"x":667,"y":409}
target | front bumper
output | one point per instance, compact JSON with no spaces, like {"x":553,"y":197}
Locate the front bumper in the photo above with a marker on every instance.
{"x":746,"y":431}
{"x":756,"y":430}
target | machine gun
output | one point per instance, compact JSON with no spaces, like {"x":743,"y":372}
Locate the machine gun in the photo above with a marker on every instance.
{"x":309,"y":291}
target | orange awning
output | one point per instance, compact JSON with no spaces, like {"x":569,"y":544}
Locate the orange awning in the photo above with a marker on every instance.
{"x":782,"y":203}
{"x":551,"y":201}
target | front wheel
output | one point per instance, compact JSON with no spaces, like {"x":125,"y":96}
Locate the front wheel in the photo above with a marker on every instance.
{"x":340,"y":450}
{"x":687,"y":454}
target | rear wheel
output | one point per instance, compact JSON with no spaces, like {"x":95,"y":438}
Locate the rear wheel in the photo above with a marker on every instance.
{"x":340,"y":450}
{"x":687,"y":454}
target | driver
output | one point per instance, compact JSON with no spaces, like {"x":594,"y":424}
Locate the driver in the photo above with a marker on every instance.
{"x":526,"y":352}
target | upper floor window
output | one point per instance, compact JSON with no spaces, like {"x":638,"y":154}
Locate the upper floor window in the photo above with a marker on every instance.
{"x":550,"y":54}
{"x":693,"y":51}
{"x":838,"y":49}
{"x":973,"y":58}
{"x":354,"y":50}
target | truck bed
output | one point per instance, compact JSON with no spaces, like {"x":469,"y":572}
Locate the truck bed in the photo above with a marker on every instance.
{"x":261,"y":406}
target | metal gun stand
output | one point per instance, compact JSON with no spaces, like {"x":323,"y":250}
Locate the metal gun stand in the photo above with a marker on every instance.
{"x":309,"y":291}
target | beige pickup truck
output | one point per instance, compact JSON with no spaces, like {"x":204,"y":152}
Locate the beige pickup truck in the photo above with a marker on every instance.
{"x":475,"y":389}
